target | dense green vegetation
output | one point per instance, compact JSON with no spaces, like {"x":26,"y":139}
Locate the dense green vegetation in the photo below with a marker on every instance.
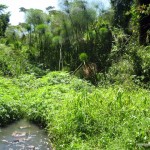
{"x":81,"y":72}
{"x":76,"y":114}
{"x":10,"y":102}
{"x":55,"y":39}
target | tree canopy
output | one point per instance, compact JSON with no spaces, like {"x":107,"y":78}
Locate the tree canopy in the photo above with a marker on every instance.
{"x":55,"y":39}
{"x":4,"y":19}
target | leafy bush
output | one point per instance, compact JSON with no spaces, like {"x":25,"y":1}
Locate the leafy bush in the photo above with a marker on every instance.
{"x":10,"y":102}
{"x":12,"y":62}
{"x":140,"y":56}
{"x":144,"y":54}
{"x":121,"y":72}
{"x":76,"y":114}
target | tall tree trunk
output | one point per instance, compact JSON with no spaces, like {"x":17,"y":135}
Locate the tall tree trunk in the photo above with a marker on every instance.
{"x":144,"y":23}
{"x":60,"y":58}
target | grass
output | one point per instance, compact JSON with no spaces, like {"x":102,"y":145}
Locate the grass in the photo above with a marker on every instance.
{"x":77,"y":115}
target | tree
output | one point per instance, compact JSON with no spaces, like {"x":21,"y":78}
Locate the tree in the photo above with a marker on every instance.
{"x":144,"y":21}
{"x":4,"y":19}
{"x":81,"y":16}
{"x":121,"y":18}
{"x":22,"y":9}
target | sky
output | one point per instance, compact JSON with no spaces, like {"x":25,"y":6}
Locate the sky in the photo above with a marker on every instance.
{"x":14,"y":5}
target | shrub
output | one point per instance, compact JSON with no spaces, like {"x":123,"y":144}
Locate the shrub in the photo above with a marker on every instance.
{"x":121,"y":72}
{"x":141,"y":56}
{"x":12,"y":62}
{"x":10,"y":102}
{"x":76,"y":114}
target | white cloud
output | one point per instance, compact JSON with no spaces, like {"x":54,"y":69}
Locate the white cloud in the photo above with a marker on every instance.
{"x":17,"y":16}
{"x":14,"y":5}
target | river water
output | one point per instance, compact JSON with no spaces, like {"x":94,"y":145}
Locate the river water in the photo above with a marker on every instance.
{"x":23,"y":135}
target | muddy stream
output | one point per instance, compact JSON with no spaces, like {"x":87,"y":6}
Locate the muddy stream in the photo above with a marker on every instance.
{"x":23,"y":135}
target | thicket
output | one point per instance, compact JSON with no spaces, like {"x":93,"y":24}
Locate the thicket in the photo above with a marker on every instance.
{"x":75,"y":114}
{"x":10,"y":102}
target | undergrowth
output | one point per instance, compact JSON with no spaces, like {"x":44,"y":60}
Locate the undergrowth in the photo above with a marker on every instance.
{"x":10,"y":102}
{"x":77,"y":115}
